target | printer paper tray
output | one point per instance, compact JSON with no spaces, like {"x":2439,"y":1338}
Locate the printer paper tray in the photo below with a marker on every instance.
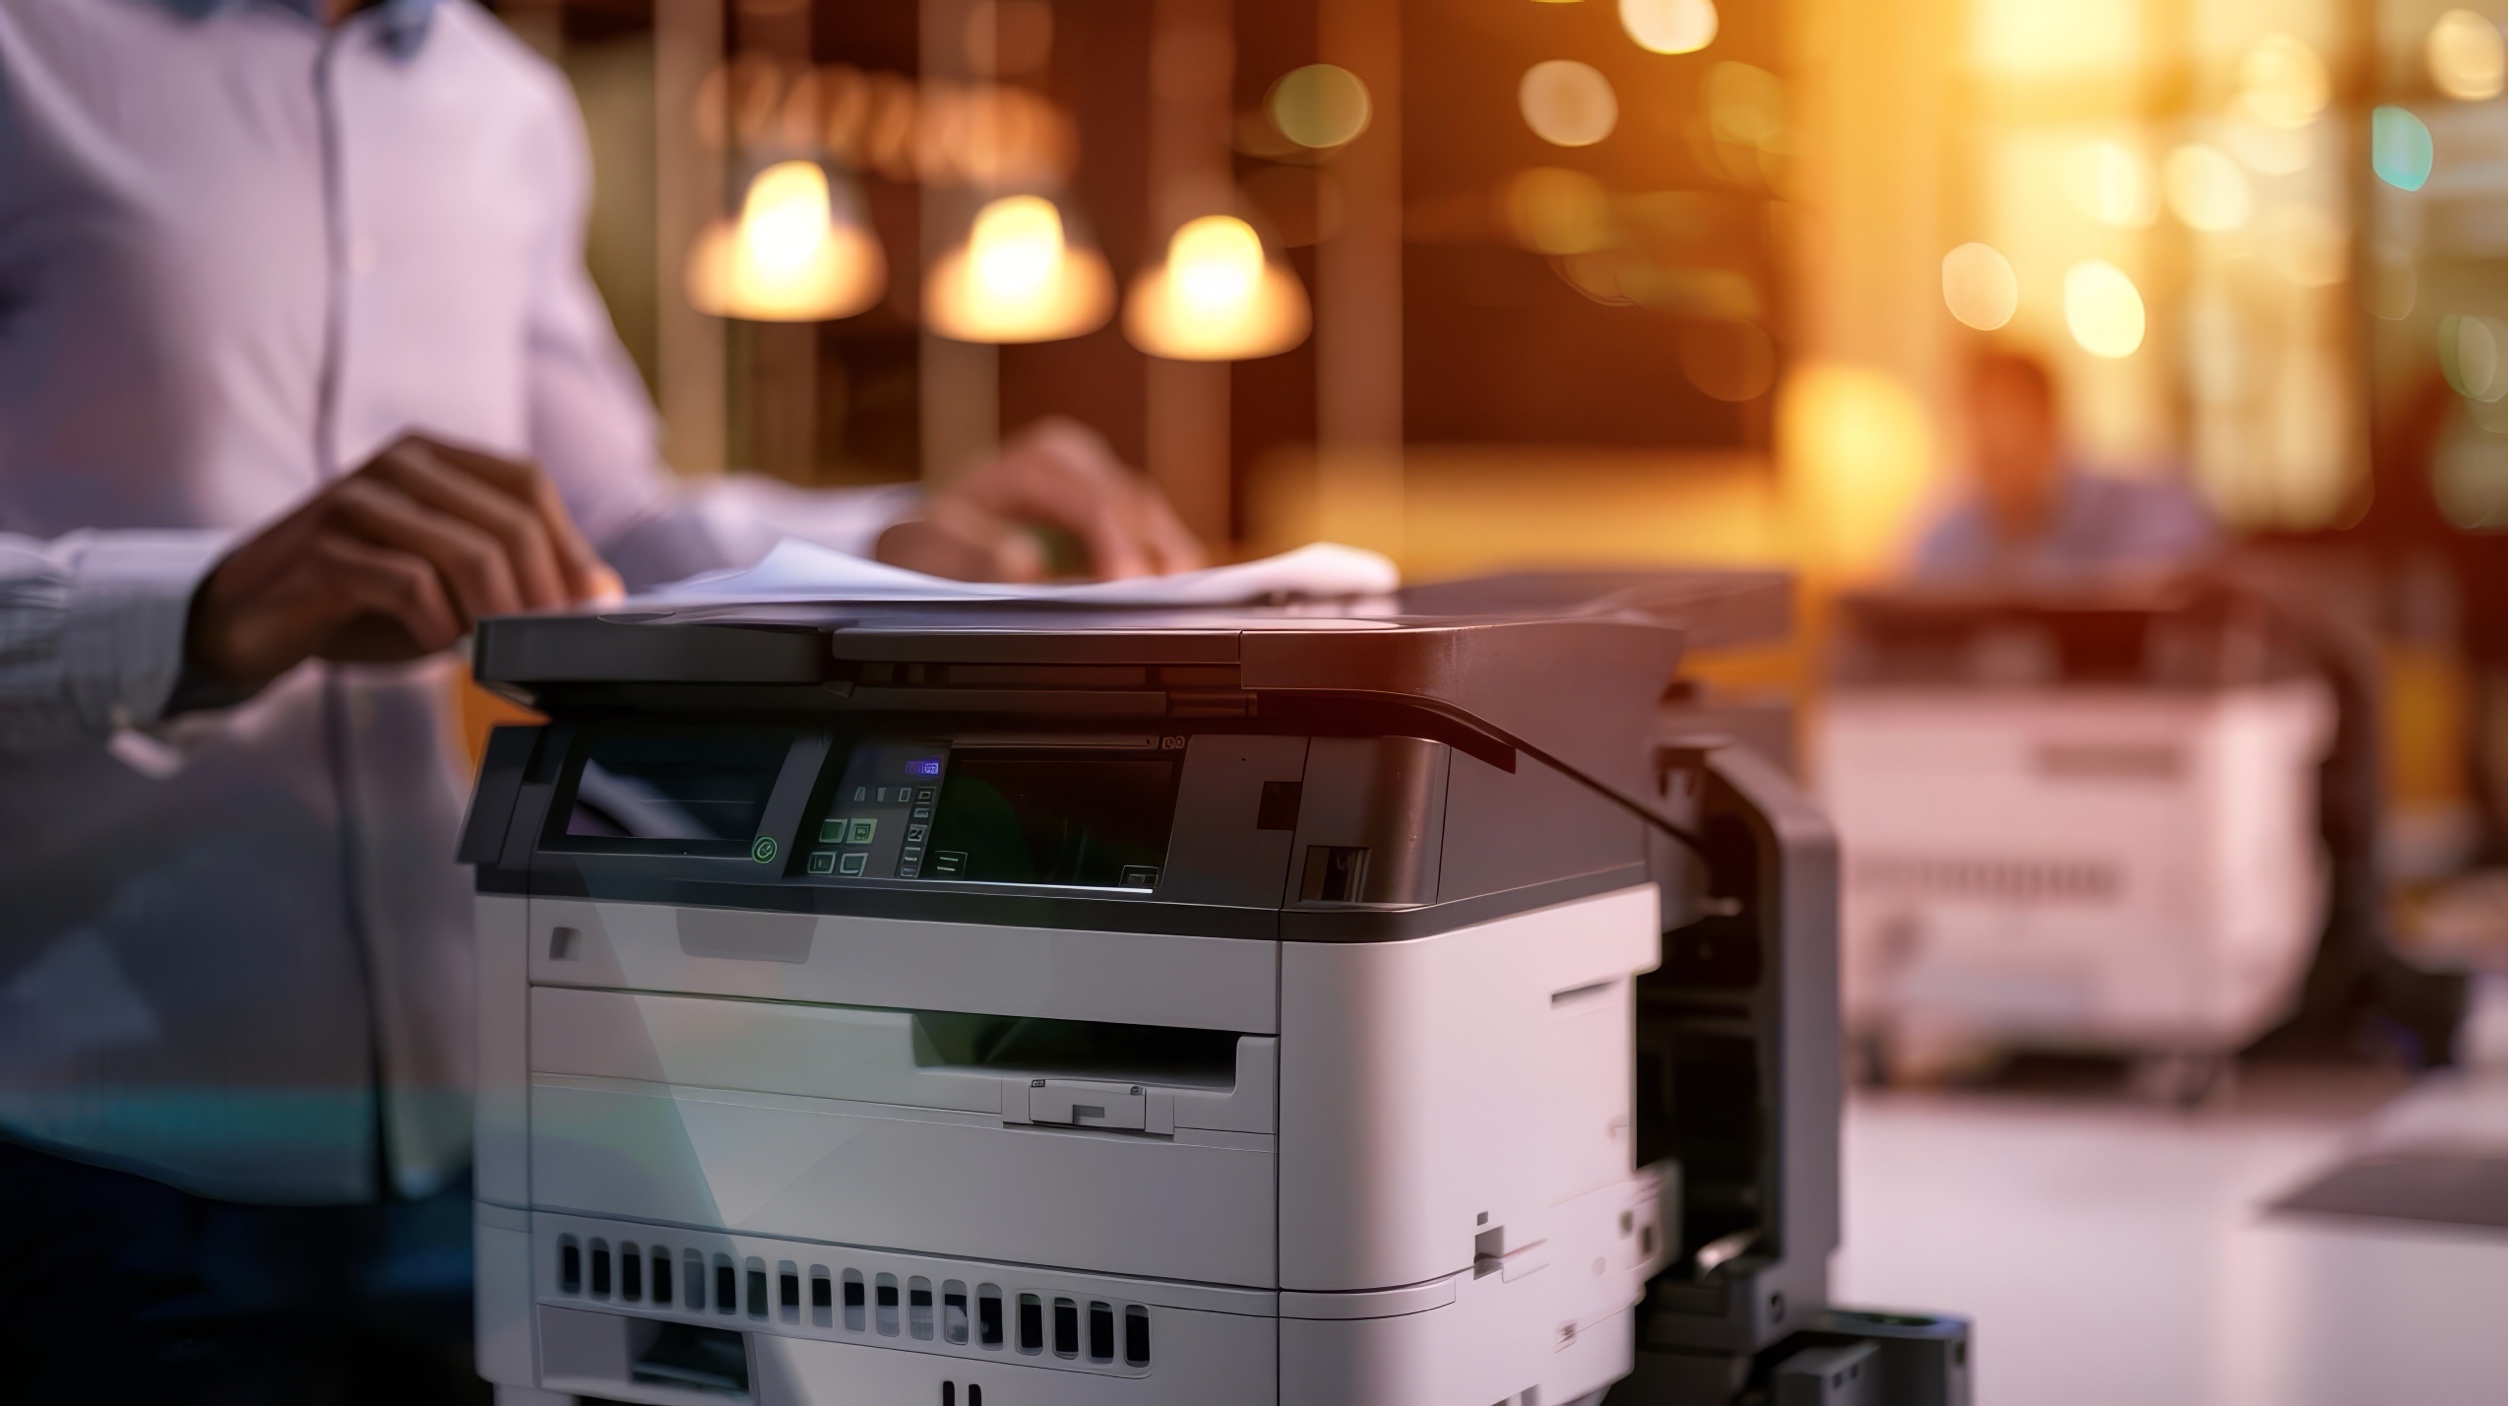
{"x":1198,"y":1205}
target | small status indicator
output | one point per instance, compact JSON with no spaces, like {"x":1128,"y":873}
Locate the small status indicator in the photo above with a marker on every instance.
{"x":923,"y":766}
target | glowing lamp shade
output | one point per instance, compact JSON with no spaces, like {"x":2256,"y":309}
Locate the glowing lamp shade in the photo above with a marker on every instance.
{"x":1018,"y":279}
{"x":787,"y":258}
{"x":1216,"y":298}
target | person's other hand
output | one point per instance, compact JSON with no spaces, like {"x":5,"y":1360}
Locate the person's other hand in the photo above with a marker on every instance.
{"x":1055,"y":474}
{"x":393,"y":561}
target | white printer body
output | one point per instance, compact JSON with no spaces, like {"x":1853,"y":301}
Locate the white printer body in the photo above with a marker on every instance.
{"x":1021,"y":1007}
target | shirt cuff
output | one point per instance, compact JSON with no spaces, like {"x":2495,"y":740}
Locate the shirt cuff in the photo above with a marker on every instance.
{"x":128,"y":611}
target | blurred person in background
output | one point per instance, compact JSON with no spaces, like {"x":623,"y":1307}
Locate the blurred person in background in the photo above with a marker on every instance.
{"x":301,"y":374}
{"x":2037,"y":516}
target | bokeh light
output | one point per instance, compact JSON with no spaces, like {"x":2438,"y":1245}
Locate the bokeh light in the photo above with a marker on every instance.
{"x":1728,"y":360}
{"x":2469,"y":355}
{"x":1567,"y":103}
{"x":2467,"y":59}
{"x":1216,"y":298}
{"x":1669,"y":26}
{"x":2400,"y":150}
{"x":2111,"y":183}
{"x":2283,"y":82}
{"x":2103,"y":309}
{"x":1555,"y":211}
{"x":787,"y":258}
{"x":1018,"y":278}
{"x":1979,"y":287}
{"x":1319,"y":106}
{"x":2206,"y":189}
{"x":1856,"y":453}
{"x":2394,"y":283}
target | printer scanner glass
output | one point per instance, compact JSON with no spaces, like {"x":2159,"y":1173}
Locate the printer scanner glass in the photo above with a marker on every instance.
{"x":693,"y":790}
{"x":1054,"y":818}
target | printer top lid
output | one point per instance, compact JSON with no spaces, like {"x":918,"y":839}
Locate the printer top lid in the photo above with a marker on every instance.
{"x":1568,"y":666}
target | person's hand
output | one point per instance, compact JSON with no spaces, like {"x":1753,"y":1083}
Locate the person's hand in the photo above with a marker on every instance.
{"x":394,"y":561}
{"x":1056,"y":474}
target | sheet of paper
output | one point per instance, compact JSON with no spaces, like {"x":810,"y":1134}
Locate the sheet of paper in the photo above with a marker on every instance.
{"x":801,"y":571}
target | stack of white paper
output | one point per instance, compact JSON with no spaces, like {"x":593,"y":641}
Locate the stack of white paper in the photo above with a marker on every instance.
{"x":801,"y":571}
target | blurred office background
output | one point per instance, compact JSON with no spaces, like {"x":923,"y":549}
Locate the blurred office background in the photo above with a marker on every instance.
{"x":1501,"y":283}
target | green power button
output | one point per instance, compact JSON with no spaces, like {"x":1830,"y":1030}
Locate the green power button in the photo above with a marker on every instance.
{"x":764,"y":850}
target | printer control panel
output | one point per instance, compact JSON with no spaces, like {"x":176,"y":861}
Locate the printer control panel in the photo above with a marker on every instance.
{"x":1084,"y":812}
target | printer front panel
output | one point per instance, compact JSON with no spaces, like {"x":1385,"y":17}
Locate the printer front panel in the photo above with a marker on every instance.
{"x":921,"y":1093}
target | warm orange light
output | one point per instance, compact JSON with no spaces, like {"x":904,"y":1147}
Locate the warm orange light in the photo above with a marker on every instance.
{"x":1319,"y":107}
{"x":1856,"y":453}
{"x":1669,"y":26}
{"x":2206,"y":189}
{"x":1979,"y":286}
{"x":2111,"y":183}
{"x":2307,"y":246}
{"x":2283,"y":82}
{"x":1017,"y":279}
{"x":1557,"y":211}
{"x":1567,"y":103}
{"x":2467,"y":59}
{"x":787,"y":258}
{"x":2103,"y":309}
{"x":1216,"y":298}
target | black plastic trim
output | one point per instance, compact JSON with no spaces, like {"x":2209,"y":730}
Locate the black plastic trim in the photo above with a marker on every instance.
{"x":912,"y":901}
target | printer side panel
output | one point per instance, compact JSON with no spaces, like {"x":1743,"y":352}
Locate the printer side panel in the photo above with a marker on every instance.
{"x":1434,"y":1092}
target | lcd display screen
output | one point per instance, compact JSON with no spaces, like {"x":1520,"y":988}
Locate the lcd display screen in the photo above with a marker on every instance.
{"x":693,"y":789}
{"x":1053,"y":818}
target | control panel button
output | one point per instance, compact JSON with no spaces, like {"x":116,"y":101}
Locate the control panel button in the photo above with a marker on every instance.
{"x":823,"y":862}
{"x":864,"y":827}
{"x":852,"y":864}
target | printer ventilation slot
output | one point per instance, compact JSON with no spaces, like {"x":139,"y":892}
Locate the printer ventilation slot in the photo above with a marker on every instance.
{"x":1095,"y":1333}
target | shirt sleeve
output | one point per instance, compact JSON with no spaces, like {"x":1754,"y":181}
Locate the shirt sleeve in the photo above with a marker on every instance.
{"x":594,"y":431}
{"x":91,"y":630}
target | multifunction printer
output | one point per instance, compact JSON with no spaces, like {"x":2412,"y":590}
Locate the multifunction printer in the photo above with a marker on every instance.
{"x":1013,"y":1004}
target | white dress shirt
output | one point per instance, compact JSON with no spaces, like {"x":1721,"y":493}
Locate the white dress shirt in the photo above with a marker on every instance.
{"x":240,"y":252}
